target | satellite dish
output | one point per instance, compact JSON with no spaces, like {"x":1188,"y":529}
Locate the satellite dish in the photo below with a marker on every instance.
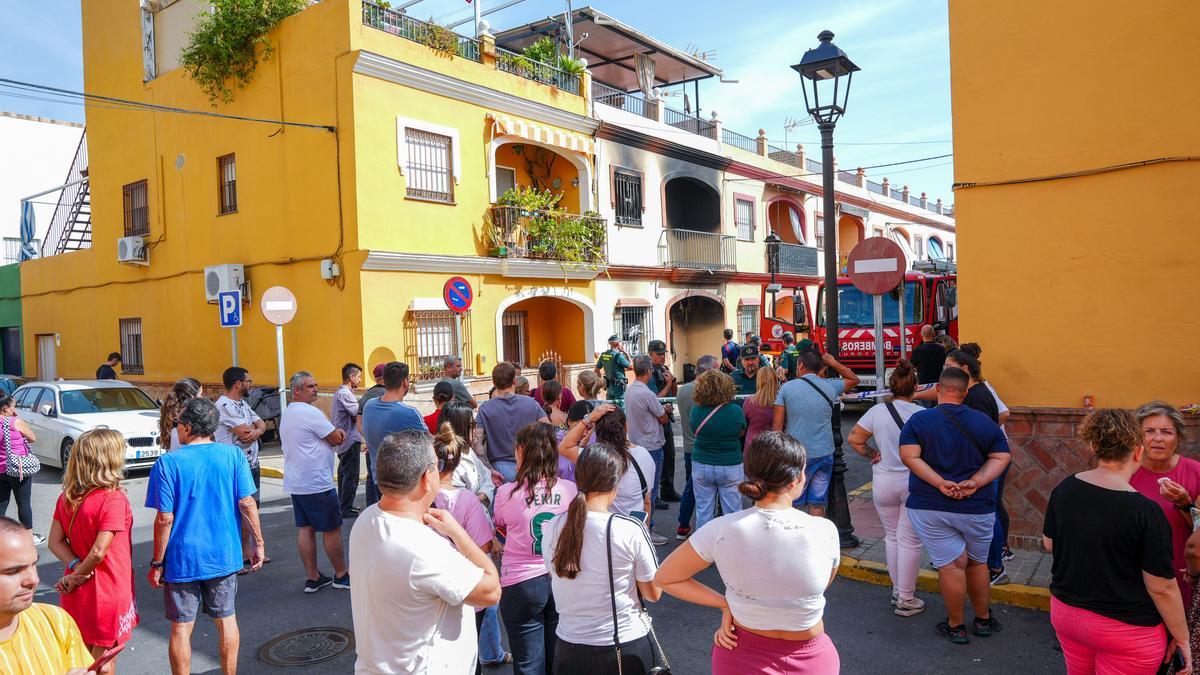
{"x":180,"y":160}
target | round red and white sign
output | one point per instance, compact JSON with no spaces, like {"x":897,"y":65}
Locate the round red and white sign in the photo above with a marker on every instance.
{"x":876,"y":265}
{"x":278,"y":305}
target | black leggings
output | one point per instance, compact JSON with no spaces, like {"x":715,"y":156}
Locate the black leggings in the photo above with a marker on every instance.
{"x":24,"y":492}
{"x":637,"y":658}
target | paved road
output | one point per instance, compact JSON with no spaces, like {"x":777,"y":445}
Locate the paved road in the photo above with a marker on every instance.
{"x":869,"y":637}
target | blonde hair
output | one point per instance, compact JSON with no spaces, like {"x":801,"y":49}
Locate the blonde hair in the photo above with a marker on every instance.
{"x":97,"y":462}
{"x":767,"y":384}
{"x":589,"y":384}
{"x":449,"y":448}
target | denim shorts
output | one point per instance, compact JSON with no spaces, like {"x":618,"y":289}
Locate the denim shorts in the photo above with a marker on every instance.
{"x":215,"y":596}
{"x":946,"y":534}
{"x":321,"y":511}
{"x":818,"y":473}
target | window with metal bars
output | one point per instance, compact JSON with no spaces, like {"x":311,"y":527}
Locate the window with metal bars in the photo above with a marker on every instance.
{"x":137,"y":209}
{"x":513,"y":325}
{"x":877,"y":232}
{"x":131,"y":346}
{"x":430,"y":170}
{"x":627,"y":189}
{"x":819,"y":232}
{"x":434,"y":337}
{"x":633,"y":323}
{"x":747,"y":319}
{"x":743,"y":215}
{"x":227,"y":184}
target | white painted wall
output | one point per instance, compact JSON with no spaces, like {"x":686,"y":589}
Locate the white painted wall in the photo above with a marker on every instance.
{"x":35,"y":154}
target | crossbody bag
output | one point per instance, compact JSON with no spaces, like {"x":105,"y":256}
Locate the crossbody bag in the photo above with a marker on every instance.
{"x":817,"y":389}
{"x":665,"y":668}
{"x":17,"y":466}
{"x":891,"y":408}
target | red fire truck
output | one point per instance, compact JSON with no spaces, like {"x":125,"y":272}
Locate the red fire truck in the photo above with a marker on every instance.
{"x":930,"y":298}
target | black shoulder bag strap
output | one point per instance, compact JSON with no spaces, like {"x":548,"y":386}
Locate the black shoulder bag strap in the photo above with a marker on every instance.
{"x":638,"y":469}
{"x":612,"y":587}
{"x":822,"y":393}
{"x":964,"y":432}
{"x":891,"y":408}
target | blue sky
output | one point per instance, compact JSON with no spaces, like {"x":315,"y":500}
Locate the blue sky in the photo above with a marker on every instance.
{"x":899,"y":106}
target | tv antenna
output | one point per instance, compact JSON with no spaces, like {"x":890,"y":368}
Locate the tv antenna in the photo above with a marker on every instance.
{"x":791,"y":124}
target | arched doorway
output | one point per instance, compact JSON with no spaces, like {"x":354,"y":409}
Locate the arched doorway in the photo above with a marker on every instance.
{"x":786,"y":220}
{"x":531,"y":323}
{"x":695,"y":322}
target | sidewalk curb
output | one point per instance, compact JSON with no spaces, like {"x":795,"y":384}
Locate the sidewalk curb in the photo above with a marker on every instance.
{"x":270,"y":472}
{"x":1017,"y":595}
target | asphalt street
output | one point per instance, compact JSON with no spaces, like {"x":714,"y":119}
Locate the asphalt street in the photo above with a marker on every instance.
{"x":869,"y":637}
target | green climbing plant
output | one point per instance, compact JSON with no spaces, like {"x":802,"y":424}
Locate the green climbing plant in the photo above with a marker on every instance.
{"x":227,"y":43}
{"x":531,"y":223}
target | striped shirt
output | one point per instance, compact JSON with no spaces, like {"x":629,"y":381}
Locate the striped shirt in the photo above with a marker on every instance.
{"x":46,"y":641}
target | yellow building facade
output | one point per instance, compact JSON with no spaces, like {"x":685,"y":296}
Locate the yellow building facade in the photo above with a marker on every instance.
{"x":1077,"y":259}
{"x":371,"y":120}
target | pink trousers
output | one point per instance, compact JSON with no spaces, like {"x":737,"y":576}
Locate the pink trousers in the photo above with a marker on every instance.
{"x":889,"y":490}
{"x":760,"y":655}
{"x":1092,"y":643}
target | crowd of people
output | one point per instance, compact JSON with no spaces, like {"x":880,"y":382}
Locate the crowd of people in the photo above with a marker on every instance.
{"x":535,"y":510}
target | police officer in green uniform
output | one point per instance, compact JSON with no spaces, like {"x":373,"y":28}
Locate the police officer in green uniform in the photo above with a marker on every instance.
{"x":789,"y":357}
{"x":744,"y":376}
{"x":612,"y":364}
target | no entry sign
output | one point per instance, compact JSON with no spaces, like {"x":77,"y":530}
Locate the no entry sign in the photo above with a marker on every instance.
{"x":458,"y":294}
{"x":876,"y":265}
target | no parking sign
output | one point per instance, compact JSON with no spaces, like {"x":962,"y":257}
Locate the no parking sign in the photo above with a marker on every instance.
{"x":458,"y":295}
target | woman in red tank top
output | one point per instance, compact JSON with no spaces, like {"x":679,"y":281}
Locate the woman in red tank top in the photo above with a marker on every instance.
{"x":91,"y":535}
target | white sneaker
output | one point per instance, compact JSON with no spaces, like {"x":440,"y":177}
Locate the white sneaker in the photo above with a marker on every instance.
{"x":657,"y":539}
{"x":38,"y":539}
{"x":909,"y":607}
{"x":895,"y":596}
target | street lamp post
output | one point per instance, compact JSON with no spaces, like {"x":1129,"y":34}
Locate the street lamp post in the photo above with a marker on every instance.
{"x":772,"y":242}
{"x":828,"y":71}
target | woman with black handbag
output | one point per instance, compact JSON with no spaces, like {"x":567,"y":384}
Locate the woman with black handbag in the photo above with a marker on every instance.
{"x":19,"y":464}
{"x":602,"y":566}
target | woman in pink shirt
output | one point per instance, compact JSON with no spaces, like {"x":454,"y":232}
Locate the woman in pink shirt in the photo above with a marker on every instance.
{"x":760,"y":408}
{"x":522,"y":508}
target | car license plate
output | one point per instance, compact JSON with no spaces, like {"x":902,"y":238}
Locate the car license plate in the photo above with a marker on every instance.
{"x":867,"y":381}
{"x":147,"y":454}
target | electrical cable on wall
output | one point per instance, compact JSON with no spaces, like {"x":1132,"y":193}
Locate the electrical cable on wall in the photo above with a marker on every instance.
{"x":1077,"y":174}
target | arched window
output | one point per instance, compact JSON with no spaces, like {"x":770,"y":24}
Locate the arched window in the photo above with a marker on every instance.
{"x":935,"y":249}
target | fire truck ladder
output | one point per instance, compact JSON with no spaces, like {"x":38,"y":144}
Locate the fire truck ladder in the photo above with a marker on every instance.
{"x":71,"y":225}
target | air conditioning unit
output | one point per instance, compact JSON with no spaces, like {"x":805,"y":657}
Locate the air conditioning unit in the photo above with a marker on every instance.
{"x":132,"y":250}
{"x":219,"y":278}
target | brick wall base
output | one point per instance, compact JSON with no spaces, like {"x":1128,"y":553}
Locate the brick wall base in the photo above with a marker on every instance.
{"x":1046,"y":449}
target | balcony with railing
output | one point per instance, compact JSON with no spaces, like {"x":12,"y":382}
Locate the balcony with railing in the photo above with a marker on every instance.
{"x":682,"y":120}
{"x":796,"y":259}
{"x":429,"y":34}
{"x":523,"y":66}
{"x":556,"y":235}
{"x":688,"y":249}
{"x":629,"y":102}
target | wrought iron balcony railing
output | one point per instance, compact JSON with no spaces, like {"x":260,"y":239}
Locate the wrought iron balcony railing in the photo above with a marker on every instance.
{"x":688,"y":249}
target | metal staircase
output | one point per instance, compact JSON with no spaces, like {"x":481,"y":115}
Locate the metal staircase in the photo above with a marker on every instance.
{"x":71,"y":226}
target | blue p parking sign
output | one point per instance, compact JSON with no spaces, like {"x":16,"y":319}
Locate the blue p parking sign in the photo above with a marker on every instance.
{"x":230,"y":305}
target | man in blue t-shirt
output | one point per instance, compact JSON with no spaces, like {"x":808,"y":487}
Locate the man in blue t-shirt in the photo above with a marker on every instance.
{"x":198,"y":492}
{"x":955,"y":453}
{"x":804,"y":408}
{"x":389,"y":413}
{"x":729,"y":353}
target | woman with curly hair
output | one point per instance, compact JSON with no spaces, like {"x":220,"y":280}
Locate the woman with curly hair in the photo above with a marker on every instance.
{"x":1114,"y":601}
{"x":177,"y":399}
{"x":772,"y":610}
{"x":717,"y":426}
{"x":90,"y":534}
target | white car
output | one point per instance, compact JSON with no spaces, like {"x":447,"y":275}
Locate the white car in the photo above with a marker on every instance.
{"x":60,"y":411}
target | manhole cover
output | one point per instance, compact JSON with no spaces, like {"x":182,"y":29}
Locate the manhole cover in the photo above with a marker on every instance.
{"x":306,"y":647}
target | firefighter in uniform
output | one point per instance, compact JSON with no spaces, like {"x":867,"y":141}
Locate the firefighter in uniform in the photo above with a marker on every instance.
{"x":612,"y":364}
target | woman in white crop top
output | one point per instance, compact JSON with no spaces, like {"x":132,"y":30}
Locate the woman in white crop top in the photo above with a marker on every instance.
{"x":774,"y":600}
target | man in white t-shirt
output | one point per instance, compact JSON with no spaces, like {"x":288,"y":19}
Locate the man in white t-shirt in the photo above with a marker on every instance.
{"x":310,"y":442}
{"x":242,"y":427}
{"x":418,"y":570}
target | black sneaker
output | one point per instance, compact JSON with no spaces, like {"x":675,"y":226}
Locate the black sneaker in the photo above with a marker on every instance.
{"x":985,"y":627}
{"x":670,"y":496}
{"x":661,"y":505}
{"x":955,"y":634}
{"x":311,"y":586}
{"x":351,"y":513}
{"x":342,"y":582}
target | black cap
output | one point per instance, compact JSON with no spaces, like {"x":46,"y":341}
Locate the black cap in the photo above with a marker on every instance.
{"x":749,"y":351}
{"x":788,"y":337}
{"x":755,"y":338}
{"x":657,"y":347}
